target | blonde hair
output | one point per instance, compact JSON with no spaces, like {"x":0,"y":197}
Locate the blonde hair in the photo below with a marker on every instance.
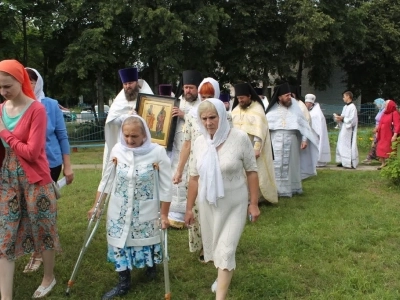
{"x":206,"y":106}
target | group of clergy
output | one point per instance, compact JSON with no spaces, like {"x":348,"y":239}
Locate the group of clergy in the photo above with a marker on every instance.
{"x":289,"y":137}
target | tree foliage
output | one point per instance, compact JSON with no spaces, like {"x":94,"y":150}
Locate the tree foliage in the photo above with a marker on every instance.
{"x":78,"y":45}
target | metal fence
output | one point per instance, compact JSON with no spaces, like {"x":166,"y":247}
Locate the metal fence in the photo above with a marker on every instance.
{"x":366,"y":114}
{"x":86,"y":130}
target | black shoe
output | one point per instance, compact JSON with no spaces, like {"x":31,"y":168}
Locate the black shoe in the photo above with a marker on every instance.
{"x":339,"y":165}
{"x":201,"y":256}
{"x":151,"y":272}
{"x":121,"y":288}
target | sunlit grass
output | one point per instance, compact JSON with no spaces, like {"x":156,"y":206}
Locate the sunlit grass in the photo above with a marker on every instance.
{"x":92,"y":155}
{"x":339,"y":240}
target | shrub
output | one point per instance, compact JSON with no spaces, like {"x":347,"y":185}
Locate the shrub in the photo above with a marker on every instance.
{"x":85,"y":131}
{"x":392,"y":169}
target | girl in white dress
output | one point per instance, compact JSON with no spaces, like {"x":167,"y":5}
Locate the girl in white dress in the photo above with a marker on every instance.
{"x":223,"y":174}
{"x":133,"y":233}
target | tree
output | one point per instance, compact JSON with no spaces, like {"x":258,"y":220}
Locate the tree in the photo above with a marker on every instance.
{"x":173,"y":37}
{"x":373,"y":65}
{"x":100,"y":42}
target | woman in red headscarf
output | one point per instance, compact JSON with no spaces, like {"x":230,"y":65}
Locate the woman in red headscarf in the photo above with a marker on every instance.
{"x":27,"y":198}
{"x":387,"y":132}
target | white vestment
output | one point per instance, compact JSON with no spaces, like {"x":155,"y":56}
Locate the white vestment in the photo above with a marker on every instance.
{"x":288,"y":128}
{"x":318,"y":123}
{"x":264,"y":101}
{"x":346,"y":149}
{"x":179,"y":191}
{"x":119,"y":107}
{"x":304,"y":110}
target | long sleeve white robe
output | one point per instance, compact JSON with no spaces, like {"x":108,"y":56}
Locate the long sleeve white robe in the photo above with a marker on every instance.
{"x":318,"y":123}
{"x":346,"y":149}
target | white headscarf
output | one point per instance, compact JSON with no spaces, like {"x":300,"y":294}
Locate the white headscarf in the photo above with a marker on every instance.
{"x":215,"y":85}
{"x":39,"y":94}
{"x":147,"y":145}
{"x":212,"y":187}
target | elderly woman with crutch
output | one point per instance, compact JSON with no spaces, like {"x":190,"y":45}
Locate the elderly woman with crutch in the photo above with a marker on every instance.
{"x":133,"y":233}
{"x":223,"y":175}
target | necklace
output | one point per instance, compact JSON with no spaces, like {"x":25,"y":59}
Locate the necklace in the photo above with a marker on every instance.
{"x":283,"y":113}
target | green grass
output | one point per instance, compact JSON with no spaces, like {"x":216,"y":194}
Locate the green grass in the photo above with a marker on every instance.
{"x":95,"y":155}
{"x":339,"y":240}
{"x":87,"y":156}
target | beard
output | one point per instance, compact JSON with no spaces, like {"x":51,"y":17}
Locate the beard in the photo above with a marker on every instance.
{"x":131,"y":94}
{"x":189,"y":97}
{"x":286,"y":103}
{"x":245,"y":104}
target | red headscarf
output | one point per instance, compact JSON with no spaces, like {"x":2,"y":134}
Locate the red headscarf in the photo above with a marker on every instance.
{"x":390,"y":107}
{"x":17,"y":70}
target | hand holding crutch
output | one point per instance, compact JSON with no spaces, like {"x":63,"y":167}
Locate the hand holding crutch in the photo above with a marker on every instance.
{"x":101,"y":204}
{"x":163,"y":235}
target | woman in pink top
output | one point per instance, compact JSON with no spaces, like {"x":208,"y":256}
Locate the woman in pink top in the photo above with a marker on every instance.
{"x":27,"y":199}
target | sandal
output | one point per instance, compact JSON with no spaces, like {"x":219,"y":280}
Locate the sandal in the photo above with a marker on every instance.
{"x":42,"y":291}
{"x":367,"y":161}
{"x":214,"y":286}
{"x":33,"y":264}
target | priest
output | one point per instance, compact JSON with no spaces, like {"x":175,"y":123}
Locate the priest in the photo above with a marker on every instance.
{"x":290,"y":135}
{"x":248,"y":114}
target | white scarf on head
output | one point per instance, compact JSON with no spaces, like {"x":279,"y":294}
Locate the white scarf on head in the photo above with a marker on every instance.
{"x":147,"y":145}
{"x":39,"y":94}
{"x":215,"y":85}
{"x":212,"y":185}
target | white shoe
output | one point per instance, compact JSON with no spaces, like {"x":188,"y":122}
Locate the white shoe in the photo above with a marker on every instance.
{"x":42,"y":291}
{"x":214,"y":286}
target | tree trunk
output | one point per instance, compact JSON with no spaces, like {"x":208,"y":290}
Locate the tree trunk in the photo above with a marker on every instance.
{"x":100,"y":99}
{"x":155,"y":80}
{"x":25,"y":55}
{"x":300,"y":72}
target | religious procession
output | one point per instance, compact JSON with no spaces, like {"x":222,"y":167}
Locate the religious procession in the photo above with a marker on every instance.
{"x":279,"y":180}
{"x":227,"y":157}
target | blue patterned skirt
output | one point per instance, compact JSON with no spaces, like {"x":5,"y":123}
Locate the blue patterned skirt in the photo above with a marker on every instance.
{"x":134,"y":257}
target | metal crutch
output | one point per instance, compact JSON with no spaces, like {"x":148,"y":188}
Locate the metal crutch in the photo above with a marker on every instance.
{"x":163,"y":236}
{"x":91,"y":229}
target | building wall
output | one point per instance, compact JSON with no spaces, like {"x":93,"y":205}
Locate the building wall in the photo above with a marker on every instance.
{"x":331,"y":99}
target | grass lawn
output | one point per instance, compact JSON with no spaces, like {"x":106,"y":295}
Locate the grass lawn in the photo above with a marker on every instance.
{"x":87,"y":156}
{"x":95,"y":155}
{"x":339,"y":240}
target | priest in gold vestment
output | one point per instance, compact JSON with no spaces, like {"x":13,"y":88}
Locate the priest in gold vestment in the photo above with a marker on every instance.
{"x":248,"y":114}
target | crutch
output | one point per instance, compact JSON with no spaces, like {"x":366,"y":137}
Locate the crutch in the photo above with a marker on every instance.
{"x":91,"y":229}
{"x":163,"y":236}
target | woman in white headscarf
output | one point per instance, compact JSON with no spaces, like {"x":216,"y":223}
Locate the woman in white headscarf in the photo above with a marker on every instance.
{"x":133,"y":233}
{"x":208,"y":88}
{"x":223,"y":174}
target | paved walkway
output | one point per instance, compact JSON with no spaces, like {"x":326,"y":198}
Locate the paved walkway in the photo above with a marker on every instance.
{"x":361,"y":167}
{"x":89,"y":166}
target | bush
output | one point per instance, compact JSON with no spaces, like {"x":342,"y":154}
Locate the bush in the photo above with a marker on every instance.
{"x":392,"y":169}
